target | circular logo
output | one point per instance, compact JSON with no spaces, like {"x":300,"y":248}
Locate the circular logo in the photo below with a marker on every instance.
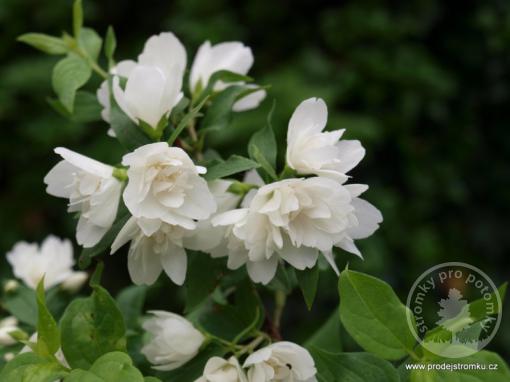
{"x":454,"y":310}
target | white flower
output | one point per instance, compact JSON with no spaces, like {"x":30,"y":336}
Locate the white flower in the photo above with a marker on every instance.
{"x":154,"y":85}
{"x":53,"y":260}
{"x":165,"y":184}
{"x":232,"y":56}
{"x":281,"y":361}
{"x":7,"y":326}
{"x":293,"y":220}
{"x":206,"y":237}
{"x":123,"y":69}
{"x":155,"y":246}
{"x":312,"y":151}
{"x":91,"y":189}
{"x":59,"y":355}
{"x":175,"y":341}
{"x":220,"y":370}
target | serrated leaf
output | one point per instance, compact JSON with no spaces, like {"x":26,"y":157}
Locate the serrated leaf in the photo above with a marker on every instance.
{"x":48,"y":334}
{"x":352,"y":367}
{"x":92,"y":327}
{"x":47,"y":44}
{"x":233,"y":165}
{"x":308,"y":281}
{"x":70,"y":74}
{"x":374,"y":316}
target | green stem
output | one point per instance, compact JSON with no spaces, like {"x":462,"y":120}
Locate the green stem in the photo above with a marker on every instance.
{"x":280,"y":298}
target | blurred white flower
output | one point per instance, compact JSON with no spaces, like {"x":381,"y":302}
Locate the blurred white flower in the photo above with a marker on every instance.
{"x":293,"y":220}
{"x":59,"y":355}
{"x":7,"y":326}
{"x":312,"y":151}
{"x":232,"y":56}
{"x":220,"y":370}
{"x":154,"y":84}
{"x":174,"y":341}
{"x":281,"y":361}
{"x":91,"y":189}
{"x":155,"y":246}
{"x":165,"y":184}
{"x":75,"y":282}
{"x":53,"y":260}
{"x":9,"y":356}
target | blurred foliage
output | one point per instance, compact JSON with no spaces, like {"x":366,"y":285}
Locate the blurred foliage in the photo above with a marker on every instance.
{"x":424,"y":84}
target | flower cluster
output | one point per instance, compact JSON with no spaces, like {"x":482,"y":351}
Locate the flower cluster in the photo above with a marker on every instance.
{"x":173,"y":208}
{"x":175,"y":341}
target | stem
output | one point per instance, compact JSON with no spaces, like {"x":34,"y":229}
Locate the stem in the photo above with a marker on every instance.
{"x":280,"y":299}
{"x":252,"y":345}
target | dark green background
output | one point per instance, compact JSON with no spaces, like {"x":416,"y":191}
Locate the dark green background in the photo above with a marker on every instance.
{"x":423,"y":84}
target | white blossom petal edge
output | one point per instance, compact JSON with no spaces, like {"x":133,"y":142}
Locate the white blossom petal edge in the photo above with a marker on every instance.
{"x":220,"y":370}
{"x":281,"y":361}
{"x":312,"y":151}
{"x":92,"y":191}
{"x":174,"y":341}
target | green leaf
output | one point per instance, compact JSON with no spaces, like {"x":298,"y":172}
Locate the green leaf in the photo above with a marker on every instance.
{"x":111,"y":367}
{"x":90,"y":42}
{"x":48,"y":334}
{"x":130,"y":302}
{"x":236,"y":321}
{"x":87,"y":254}
{"x":47,"y":44}
{"x":308,"y":280}
{"x":328,"y":336}
{"x":30,"y":367}
{"x":219,"y":113}
{"x":70,"y":74}
{"x":233,"y":165}
{"x":152,"y":379}
{"x":424,"y":372}
{"x":224,"y":76}
{"x":256,"y":154}
{"x":193,"y":369}
{"x":194,"y":113}
{"x":202,"y":278}
{"x":22,"y":304}
{"x":374,"y":316}
{"x":86,"y":108}
{"x":92,"y":327}
{"x":352,"y":367}
{"x":110,"y":45}
{"x":128,"y":133}
{"x":77,"y":18}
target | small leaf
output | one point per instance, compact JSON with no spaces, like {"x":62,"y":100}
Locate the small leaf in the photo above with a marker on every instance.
{"x":47,"y":44}
{"x":90,"y":42}
{"x":308,"y":280}
{"x":77,"y":18}
{"x":86,"y":108}
{"x":224,"y":76}
{"x":233,"y":165}
{"x":110,"y":45}
{"x":22,"y":304}
{"x":194,"y":113}
{"x":48,"y":334}
{"x":374,"y":316}
{"x":353,"y":367}
{"x":268,"y":173}
{"x":31,"y":367}
{"x":111,"y":367}
{"x":70,"y":74}
{"x":92,"y":327}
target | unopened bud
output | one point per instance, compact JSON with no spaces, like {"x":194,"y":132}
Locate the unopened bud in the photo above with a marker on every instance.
{"x":11,"y":286}
{"x":74,"y":282}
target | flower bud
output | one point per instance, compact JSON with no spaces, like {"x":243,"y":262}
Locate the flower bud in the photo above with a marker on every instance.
{"x":174,"y":341}
{"x":74,"y":282}
{"x":7,"y":326}
{"x":9,"y":356}
{"x":11,"y":286}
{"x":219,"y":369}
